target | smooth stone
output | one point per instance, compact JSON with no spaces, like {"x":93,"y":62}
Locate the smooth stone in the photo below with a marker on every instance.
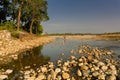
{"x":79,"y":73}
{"x":59,"y":77}
{"x":101,"y":64}
{"x":85,"y":73}
{"x":101,"y":77}
{"x":95,"y":61}
{"x":9,"y":71}
{"x":65,"y":68}
{"x":96,"y":67}
{"x":65,"y":75}
{"x":27,"y":67}
{"x":109,"y":53}
{"x":80,"y":64}
{"x":41,"y":76}
{"x":3,"y":77}
{"x":104,"y":68}
{"x":73,"y":57}
{"x":89,"y":57}
{"x":83,"y":67}
{"x":51,"y":66}
{"x":73,"y":78}
{"x":57,"y":70}
{"x":95,"y":74}
{"x":66,"y":63}
{"x":53,"y":74}
{"x":80,"y":51}
{"x":97,"y":55}
{"x":27,"y":72}
{"x":43,"y":69}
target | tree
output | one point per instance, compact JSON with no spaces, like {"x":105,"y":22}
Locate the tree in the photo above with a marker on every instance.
{"x":17,"y":4}
{"x":26,"y":14}
{"x":37,"y":12}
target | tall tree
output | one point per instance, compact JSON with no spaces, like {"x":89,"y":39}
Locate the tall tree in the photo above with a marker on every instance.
{"x":18,"y":4}
{"x":37,"y":12}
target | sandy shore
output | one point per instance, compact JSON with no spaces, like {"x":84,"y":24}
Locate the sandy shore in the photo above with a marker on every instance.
{"x":94,"y":37}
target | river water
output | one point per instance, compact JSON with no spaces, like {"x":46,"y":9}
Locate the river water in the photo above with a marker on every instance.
{"x":54,"y":51}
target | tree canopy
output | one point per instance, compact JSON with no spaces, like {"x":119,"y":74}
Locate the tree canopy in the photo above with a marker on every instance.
{"x":25,"y":14}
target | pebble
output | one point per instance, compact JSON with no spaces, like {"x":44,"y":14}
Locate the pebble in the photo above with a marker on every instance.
{"x":41,"y":76}
{"x":83,"y":67}
{"x":79,"y":73}
{"x":9,"y":71}
{"x":101,"y":77}
{"x":3,"y":77}
{"x":65,"y":75}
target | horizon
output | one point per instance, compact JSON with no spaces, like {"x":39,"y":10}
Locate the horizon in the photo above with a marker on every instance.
{"x":78,"y":16}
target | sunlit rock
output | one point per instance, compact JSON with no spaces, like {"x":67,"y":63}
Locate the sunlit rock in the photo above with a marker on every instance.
{"x":95,"y":74}
{"x":41,"y":76}
{"x":66,"y":63}
{"x":83,"y":67}
{"x":53,"y":74}
{"x":79,"y":73}
{"x":65,"y":75}
{"x":3,"y":77}
{"x":59,"y":77}
{"x":104,"y":68}
{"x":9,"y":71}
{"x":85,"y":73}
{"x":57,"y":70}
{"x":73,"y":57}
{"x":80,"y":51}
{"x":44,"y":69}
{"x":65,"y":68}
{"x":102,"y":77}
{"x":89,"y":57}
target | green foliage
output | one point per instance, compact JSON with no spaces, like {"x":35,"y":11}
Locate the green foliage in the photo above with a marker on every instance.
{"x":40,"y":29}
{"x":9,"y":25}
{"x":15,"y":34}
{"x":32,"y":13}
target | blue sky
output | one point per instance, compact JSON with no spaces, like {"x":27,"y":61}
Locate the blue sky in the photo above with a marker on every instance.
{"x":83,"y":16}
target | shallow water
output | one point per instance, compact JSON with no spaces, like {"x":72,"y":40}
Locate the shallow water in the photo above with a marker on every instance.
{"x":54,"y":51}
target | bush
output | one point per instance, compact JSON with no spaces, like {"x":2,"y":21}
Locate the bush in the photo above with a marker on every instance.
{"x":8,"y":25}
{"x":15,"y":34}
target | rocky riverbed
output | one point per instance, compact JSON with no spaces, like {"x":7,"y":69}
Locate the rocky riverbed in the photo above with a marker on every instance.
{"x":93,"y":64}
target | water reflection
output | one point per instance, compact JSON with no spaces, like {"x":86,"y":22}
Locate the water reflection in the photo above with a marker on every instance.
{"x":29,"y":59}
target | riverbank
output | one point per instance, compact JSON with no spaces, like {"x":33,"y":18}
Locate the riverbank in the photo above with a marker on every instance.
{"x":11,"y":47}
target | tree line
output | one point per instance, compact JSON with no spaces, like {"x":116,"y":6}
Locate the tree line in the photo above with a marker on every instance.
{"x":24,"y":14}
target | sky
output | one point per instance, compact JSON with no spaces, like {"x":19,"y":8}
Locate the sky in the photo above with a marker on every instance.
{"x":83,"y":16}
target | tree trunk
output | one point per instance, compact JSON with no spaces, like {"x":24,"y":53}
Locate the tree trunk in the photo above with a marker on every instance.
{"x":31,"y":26}
{"x":19,"y":15}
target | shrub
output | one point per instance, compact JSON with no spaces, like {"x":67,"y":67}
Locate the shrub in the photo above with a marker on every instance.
{"x":15,"y":34}
{"x":8,"y":25}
